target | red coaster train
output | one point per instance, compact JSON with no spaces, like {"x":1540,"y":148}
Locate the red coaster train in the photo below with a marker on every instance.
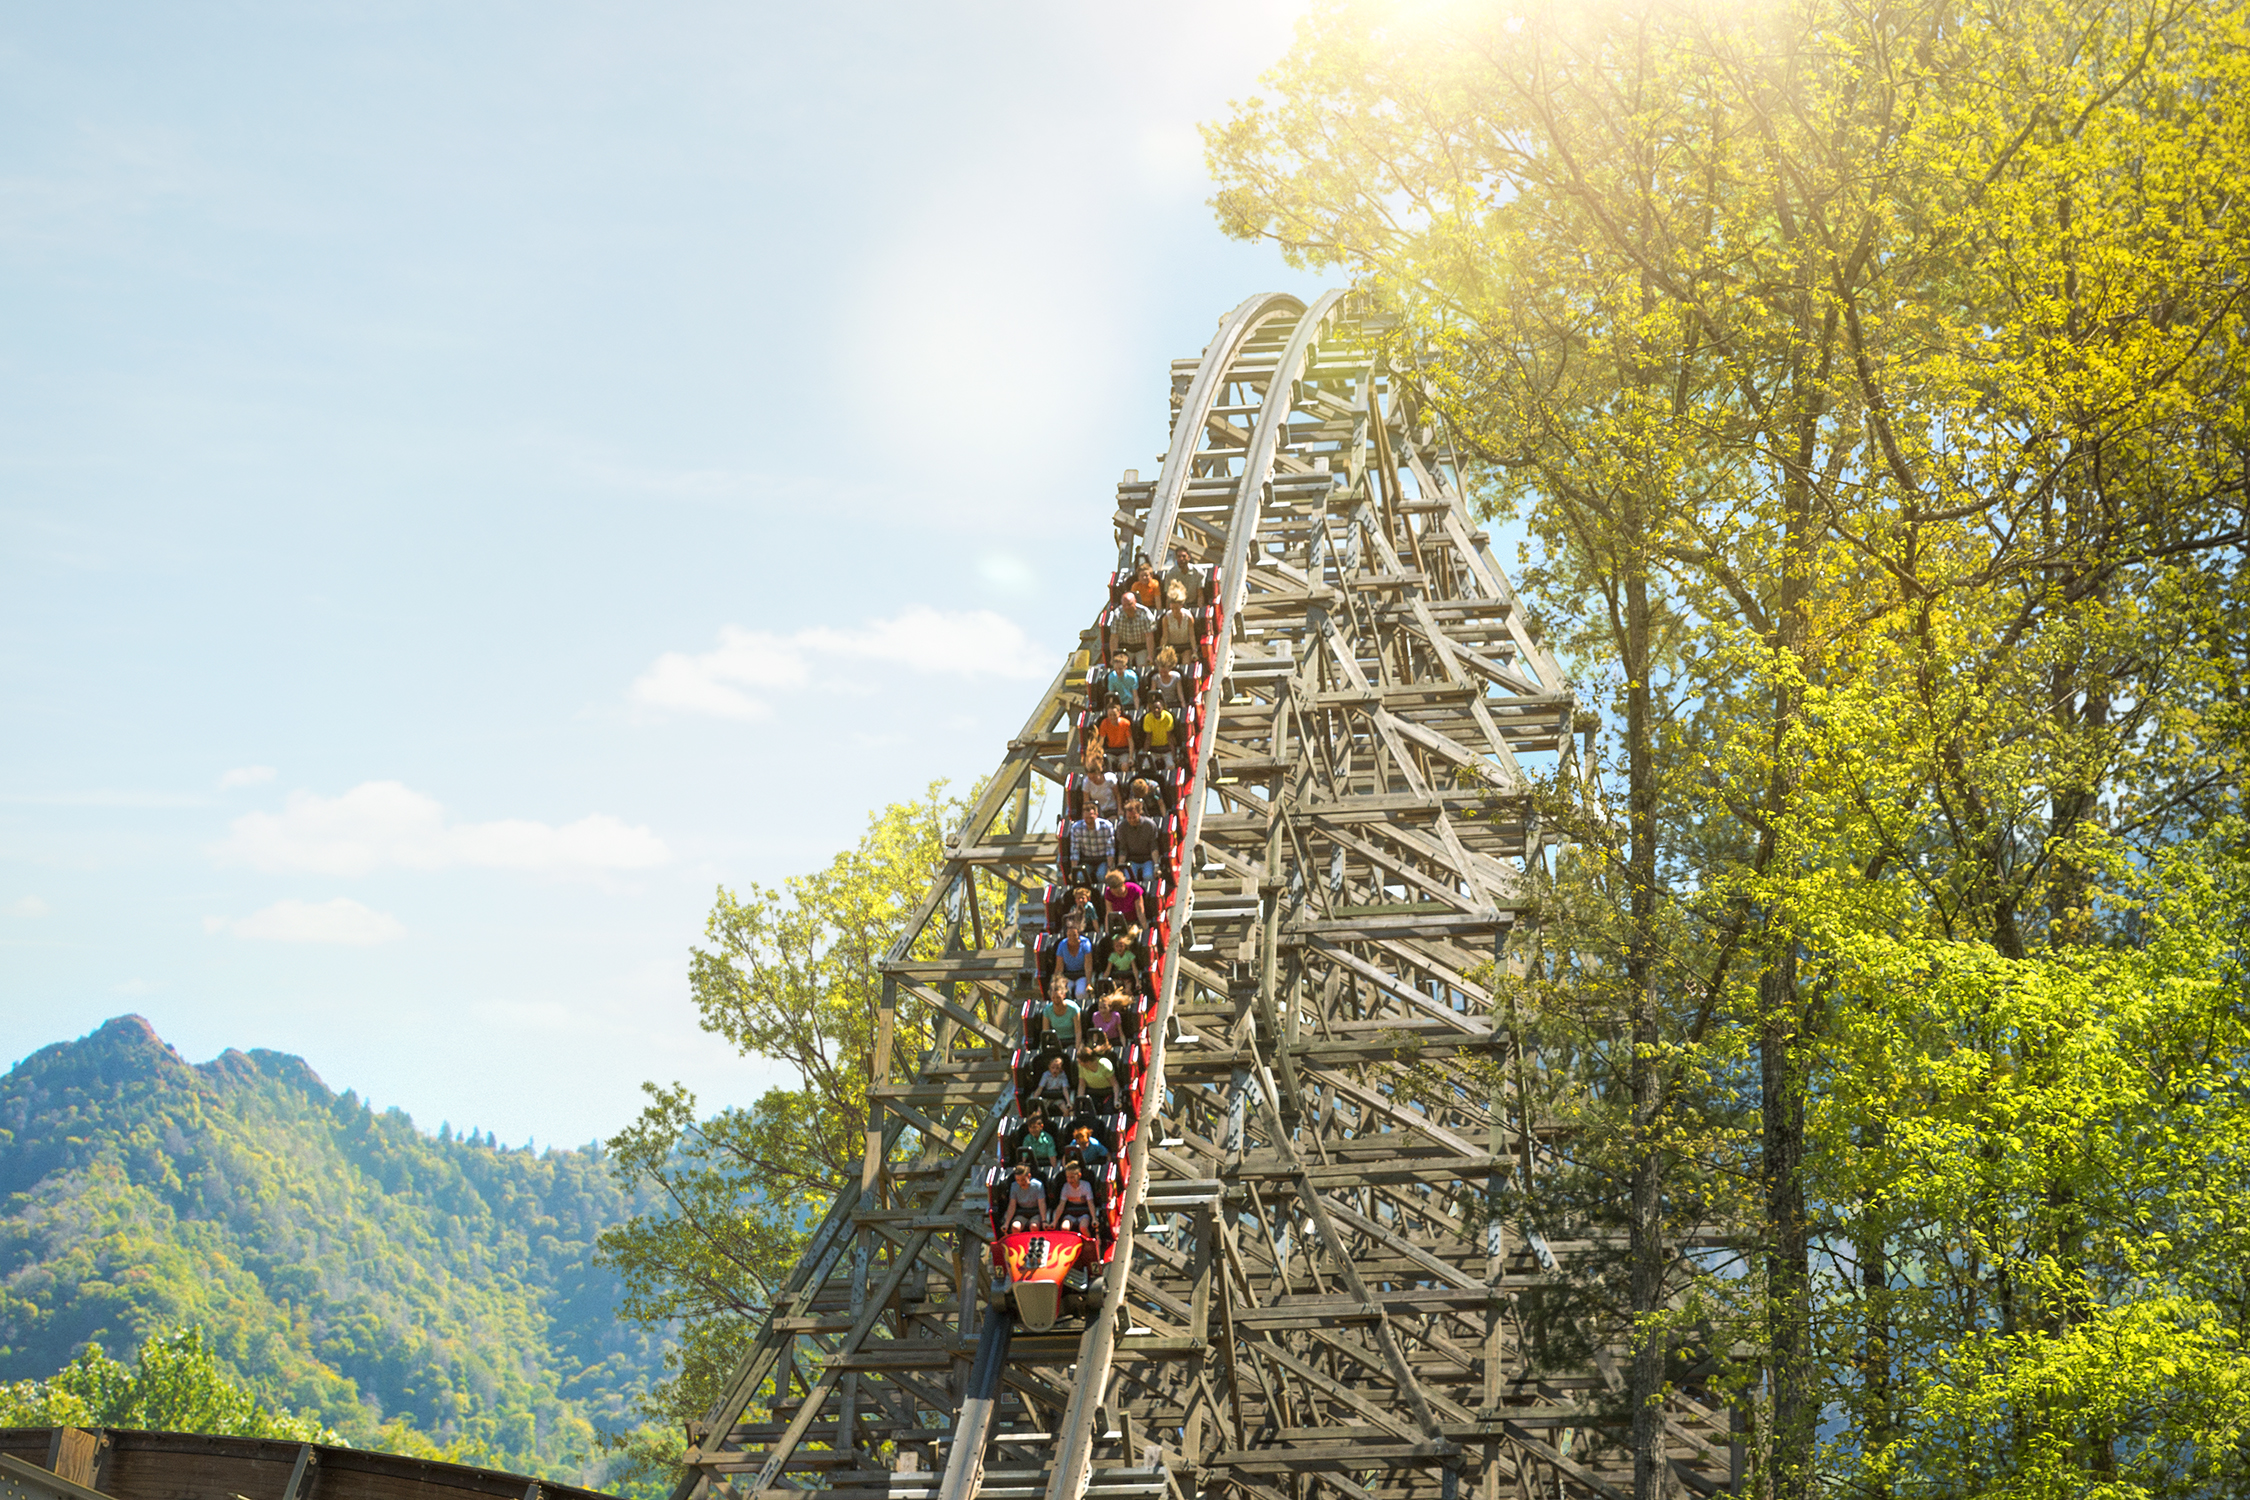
{"x":1095,"y":961}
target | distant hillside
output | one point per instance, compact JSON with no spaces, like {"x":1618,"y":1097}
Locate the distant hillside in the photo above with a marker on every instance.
{"x":338,"y":1258}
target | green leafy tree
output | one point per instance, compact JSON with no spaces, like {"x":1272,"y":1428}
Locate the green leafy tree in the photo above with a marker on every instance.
{"x":173,"y":1385}
{"x":1830,"y":356}
{"x":789,"y":975}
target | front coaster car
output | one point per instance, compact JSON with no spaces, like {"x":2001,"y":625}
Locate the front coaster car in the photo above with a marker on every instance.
{"x":1050,"y":1272}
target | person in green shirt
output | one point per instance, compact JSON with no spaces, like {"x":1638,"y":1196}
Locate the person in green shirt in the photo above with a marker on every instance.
{"x":1039,"y":1142}
{"x":1097,"y":1071}
{"x":1058,"y":1018}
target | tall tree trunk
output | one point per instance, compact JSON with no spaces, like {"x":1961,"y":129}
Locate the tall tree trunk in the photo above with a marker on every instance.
{"x":1789,"y":1250}
{"x":1782,"y":1046}
{"x":1645,"y":1382}
{"x":1872,"y":1249}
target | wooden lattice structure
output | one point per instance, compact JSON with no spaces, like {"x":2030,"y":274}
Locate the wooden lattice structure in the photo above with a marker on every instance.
{"x":1311,"y":1289}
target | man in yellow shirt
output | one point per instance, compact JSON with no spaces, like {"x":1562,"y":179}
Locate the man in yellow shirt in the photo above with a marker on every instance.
{"x":1156,"y":733}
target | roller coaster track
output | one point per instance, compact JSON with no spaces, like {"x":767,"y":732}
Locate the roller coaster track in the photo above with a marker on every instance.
{"x":1317,"y":1280}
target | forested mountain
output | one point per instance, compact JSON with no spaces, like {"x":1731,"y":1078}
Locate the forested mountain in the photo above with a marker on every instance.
{"x":339,"y":1260}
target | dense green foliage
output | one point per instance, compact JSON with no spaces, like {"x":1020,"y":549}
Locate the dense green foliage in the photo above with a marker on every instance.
{"x":175,"y":1384}
{"x":410,"y":1293}
{"x":1873,"y":388}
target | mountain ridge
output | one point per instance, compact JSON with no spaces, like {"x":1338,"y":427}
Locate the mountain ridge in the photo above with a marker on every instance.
{"x":338,"y":1258}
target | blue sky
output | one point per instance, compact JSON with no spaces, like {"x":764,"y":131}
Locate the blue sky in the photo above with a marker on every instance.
{"x":475,"y":477}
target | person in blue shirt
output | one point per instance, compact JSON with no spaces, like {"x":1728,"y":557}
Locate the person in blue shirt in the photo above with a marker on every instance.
{"x":1053,"y":1090}
{"x":1119,"y":684}
{"x":1074,"y":961}
{"x":1084,"y":1149}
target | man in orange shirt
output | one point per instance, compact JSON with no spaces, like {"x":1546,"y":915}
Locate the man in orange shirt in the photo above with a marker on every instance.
{"x":1143,"y":585}
{"x":1117,"y":738}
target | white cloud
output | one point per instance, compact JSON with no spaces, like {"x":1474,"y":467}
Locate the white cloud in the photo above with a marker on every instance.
{"x":385,"y":823}
{"x":245,"y":776}
{"x":924,"y":642}
{"x":339,"y":921}
{"x":32,"y":906}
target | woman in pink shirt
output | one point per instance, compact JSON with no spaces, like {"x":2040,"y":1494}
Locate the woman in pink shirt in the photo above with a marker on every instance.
{"x":1127,"y":902}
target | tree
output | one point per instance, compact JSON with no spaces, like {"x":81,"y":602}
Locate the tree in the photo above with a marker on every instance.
{"x":1821,"y":349}
{"x":789,"y":975}
{"x":173,"y":1385}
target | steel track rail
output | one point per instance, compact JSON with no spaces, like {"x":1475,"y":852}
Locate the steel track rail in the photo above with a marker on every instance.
{"x":1073,"y":1462}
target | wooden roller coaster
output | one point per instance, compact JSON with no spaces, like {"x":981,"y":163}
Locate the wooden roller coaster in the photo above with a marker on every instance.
{"x":1316,"y":1280}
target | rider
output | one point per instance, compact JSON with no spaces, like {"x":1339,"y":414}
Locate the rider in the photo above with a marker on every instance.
{"x":1143,"y":585}
{"x":1113,"y":681}
{"x":1082,"y":1147}
{"x":1132,"y":627}
{"x":1137,"y":842}
{"x":1127,"y":900}
{"x":1116,"y":733}
{"x":1101,"y":785}
{"x":1074,"y":961}
{"x":1176,"y":629}
{"x":1075,"y":1208}
{"x":1082,"y":907}
{"x":1111,"y":1019}
{"x":1038,"y":1142}
{"x":1093,"y":842}
{"x":1027,"y":1202}
{"x":1053,"y":1088}
{"x":1097,"y":1073}
{"x":1166,"y":685}
{"x":1156,"y":733}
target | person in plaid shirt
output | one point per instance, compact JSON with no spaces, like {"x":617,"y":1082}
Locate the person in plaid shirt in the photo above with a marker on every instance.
{"x":1093,"y":839}
{"x":1132,"y":626}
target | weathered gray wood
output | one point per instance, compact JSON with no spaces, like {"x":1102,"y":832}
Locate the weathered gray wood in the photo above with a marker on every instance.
{"x":1362,"y":839}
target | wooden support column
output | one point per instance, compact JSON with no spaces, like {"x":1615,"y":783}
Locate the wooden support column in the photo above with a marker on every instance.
{"x":1200,"y":1268}
{"x":1495,"y":1245}
{"x":870,"y":1194}
{"x":1385,"y":1340}
{"x":1269,"y":965}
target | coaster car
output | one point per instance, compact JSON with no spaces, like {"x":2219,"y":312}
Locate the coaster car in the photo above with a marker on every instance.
{"x":1050,"y":1272}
